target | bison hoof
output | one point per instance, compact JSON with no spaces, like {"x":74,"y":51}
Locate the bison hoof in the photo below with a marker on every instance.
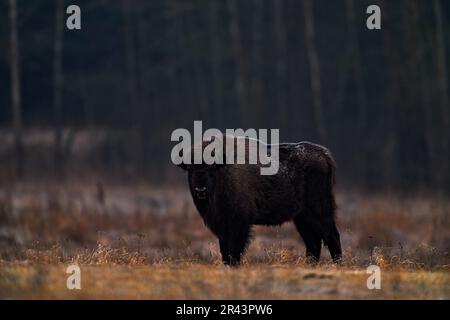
{"x":233,"y":263}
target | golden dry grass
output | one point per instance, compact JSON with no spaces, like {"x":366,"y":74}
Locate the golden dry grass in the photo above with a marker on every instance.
{"x":142,"y":242}
{"x":200,"y":281}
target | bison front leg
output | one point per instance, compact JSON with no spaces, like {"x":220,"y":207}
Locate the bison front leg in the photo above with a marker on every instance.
{"x":233,"y":244}
{"x":311,"y":237}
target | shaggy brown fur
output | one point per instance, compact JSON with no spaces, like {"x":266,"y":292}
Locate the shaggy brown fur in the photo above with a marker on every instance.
{"x":232,"y":197}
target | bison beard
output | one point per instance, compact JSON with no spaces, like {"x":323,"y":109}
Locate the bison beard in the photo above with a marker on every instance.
{"x":232,"y":197}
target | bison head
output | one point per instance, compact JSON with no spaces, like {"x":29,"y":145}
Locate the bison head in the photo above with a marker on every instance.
{"x":202,"y":176}
{"x":201,"y":179}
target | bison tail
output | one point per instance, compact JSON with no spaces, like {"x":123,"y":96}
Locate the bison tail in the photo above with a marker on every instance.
{"x":331,"y":179}
{"x":331,"y":169}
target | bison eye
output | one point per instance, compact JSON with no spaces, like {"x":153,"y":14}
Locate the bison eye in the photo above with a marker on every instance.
{"x":200,"y":192}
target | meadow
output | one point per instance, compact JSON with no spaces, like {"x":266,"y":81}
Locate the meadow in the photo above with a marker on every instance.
{"x":142,"y":242}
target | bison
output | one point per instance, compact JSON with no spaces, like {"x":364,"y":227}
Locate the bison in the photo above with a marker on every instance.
{"x":231,"y":198}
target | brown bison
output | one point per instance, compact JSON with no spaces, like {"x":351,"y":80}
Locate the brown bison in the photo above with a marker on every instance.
{"x":232,"y":197}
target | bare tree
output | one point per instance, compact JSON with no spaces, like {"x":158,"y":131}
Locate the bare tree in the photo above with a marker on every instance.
{"x":132,"y":81}
{"x":355,"y":61}
{"x":357,"y":67}
{"x":420,"y":68}
{"x":442,"y":211}
{"x":314,"y":66}
{"x":198,"y":79}
{"x":280,"y":64}
{"x":58,"y":85}
{"x":15,"y":88}
{"x":216,"y":61}
{"x":173,"y":54}
{"x":441,"y":64}
{"x":391,"y":141}
{"x":240,"y":83}
{"x":130,"y":55}
{"x":257,"y":65}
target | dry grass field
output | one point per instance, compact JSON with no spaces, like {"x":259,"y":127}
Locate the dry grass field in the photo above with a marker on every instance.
{"x":140,"y":242}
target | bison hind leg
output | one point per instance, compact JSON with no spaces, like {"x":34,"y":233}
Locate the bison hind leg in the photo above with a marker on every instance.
{"x":333,"y":242}
{"x":320,"y":209}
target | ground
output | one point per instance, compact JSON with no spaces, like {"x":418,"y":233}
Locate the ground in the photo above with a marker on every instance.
{"x":149,"y":243}
{"x":199,"y":281}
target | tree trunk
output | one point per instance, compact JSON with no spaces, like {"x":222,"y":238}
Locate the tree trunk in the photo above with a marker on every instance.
{"x":419,"y":67}
{"x":257,"y":69}
{"x":147,"y":109}
{"x":58,"y":87}
{"x":240,"y":82}
{"x":280,"y":64}
{"x":198,"y":80}
{"x":130,"y":56}
{"x":15,"y":89}
{"x":314,"y":66}
{"x":173,"y":56}
{"x":355,"y":60}
{"x":216,"y":61}
{"x":390,"y":137}
{"x":357,"y":68}
{"x":443,"y":92}
{"x":132,"y":81}
{"x":441,"y":212}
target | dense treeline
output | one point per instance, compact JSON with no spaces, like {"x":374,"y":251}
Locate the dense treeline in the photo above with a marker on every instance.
{"x":377,"y":98}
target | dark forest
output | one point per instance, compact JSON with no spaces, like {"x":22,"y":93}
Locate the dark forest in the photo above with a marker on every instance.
{"x":137,"y":70}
